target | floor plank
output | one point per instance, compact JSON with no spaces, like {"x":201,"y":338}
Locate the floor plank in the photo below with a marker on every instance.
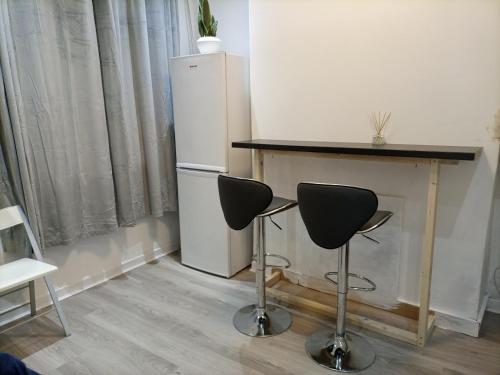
{"x":163,"y":318}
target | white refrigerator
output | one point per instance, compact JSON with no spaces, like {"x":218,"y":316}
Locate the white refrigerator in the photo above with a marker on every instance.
{"x":211,"y":109}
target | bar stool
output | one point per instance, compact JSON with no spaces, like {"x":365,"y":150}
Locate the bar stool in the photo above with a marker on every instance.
{"x":333,"y":214}
{"x":242,"y":201}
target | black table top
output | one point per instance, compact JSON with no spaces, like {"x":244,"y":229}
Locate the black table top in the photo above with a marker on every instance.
{"x":405,"y":151}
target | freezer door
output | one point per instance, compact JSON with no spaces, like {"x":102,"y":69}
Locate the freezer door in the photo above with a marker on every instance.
{"x":205,"y":237}
{"x":199,"y":96}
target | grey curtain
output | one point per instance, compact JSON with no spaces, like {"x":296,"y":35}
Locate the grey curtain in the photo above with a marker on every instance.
{"x":51,"y":73}
{"x":10,"y":180}
{"x":137,"y":38}
{"x":88,"y":156}
{"x":191,"y":24}
{"x":6,"y":195}
{"x":13,"y":242}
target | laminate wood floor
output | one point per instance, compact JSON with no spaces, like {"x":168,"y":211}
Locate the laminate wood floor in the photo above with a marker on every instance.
{"x":164,"y":318}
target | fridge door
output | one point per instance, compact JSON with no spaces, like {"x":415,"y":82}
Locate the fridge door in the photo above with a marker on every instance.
{"x":199,"y":96}
{"x":205,"y":237}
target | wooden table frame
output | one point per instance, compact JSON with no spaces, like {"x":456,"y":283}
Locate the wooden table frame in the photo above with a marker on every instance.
{"x":426,"y":316}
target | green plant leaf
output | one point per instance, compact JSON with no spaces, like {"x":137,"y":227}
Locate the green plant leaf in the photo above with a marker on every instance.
{"x":207,"y":16}
{"x":207,"y":25}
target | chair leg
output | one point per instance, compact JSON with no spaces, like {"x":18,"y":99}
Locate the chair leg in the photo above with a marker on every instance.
{"x":31,"y":287}
{"x":261,"y":319}
{"x":38,"y":256}
{"x":339,"y":350}
{"x":57,"y":305}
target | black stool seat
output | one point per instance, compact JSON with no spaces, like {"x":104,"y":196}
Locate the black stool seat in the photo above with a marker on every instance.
{"x":244,"y":200}
{"x":278,"y":204}
{"x":333,"y":214}
{"x":378,"y":219}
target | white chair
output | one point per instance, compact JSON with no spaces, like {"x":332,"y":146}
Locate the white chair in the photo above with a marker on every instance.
{"x":26,"y":270}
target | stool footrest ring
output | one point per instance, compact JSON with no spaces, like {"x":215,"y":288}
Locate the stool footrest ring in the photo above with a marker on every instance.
{"x":371,"y":288}
{"x":282,"y":266}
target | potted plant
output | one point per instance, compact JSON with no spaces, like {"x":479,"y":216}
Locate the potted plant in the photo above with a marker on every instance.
{"x":207,"y":26}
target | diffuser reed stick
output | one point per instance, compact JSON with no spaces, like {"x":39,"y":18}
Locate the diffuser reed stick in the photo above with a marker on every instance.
{"x":380,"y":122}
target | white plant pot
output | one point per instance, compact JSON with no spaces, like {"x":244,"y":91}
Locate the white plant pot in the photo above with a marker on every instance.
{"x":209,"y":44}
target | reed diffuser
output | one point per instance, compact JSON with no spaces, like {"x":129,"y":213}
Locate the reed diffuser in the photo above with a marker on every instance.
{"x":380,"y":122}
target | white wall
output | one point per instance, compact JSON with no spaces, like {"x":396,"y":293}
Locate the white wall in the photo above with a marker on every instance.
{"x":233,"y":25}
{"x":97,"y":259}
{"x":319,"y":67}
{"x":232,"y":28}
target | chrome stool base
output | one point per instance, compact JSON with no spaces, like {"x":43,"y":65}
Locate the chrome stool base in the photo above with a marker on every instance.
{"x":276,"y":321}
{"x":359,"y":357}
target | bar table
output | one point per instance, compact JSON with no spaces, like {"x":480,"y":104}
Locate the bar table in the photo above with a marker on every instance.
{"x":434,"y":156}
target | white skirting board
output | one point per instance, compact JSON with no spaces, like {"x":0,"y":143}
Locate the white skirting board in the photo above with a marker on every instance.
{"x":71,"y":290}
{"x":467,"y":326}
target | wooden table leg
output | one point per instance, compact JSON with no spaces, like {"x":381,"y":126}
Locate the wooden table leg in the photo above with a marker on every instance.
{"x":427,"y":254}
{"x":258,"y":165}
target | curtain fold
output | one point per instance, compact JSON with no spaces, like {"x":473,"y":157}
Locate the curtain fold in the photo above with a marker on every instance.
{"x":10,"y":179}
{"x":137,"y":38}
{"x":13,"y":241}
{"x":191,"y":24}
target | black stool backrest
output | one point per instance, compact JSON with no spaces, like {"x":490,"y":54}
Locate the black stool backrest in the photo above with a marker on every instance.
{"x":334,"y":213}
{"x":242,"y":199}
